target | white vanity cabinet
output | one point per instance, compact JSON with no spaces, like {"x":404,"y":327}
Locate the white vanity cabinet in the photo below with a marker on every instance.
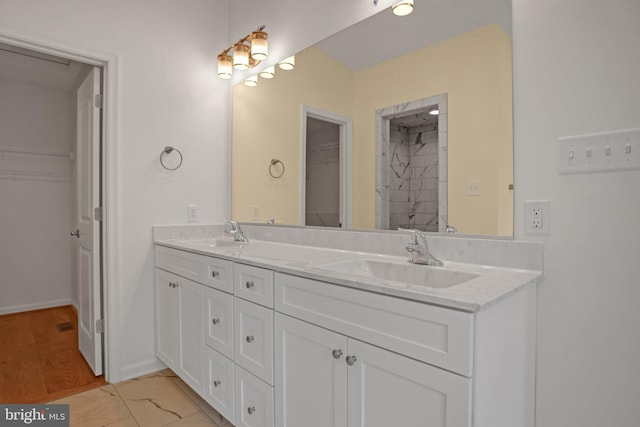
{"x":269,"y":349}
{"x":179,"y":326}
{"x":351,"y":358}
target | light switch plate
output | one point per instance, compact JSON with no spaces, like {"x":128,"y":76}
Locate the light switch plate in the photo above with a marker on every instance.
{"x":599,"y":152}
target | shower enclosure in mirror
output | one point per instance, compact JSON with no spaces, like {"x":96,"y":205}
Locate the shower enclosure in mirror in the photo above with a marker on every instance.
{"x":459,"y":50}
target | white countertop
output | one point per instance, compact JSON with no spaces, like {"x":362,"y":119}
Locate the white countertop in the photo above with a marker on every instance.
{"x":488,"y":286}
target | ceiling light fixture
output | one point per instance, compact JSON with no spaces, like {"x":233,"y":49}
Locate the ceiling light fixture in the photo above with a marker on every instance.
{"x":247,"y":53}
{"x":402,"y":8}
{"x":287,"y":63}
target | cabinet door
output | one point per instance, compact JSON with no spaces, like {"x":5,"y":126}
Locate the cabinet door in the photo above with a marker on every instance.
{"x":191,"y":335}
{"x":167,"y":325}
{"x":311,"y":375}
{"x":386,"y":389}
{"x":218,"y":311}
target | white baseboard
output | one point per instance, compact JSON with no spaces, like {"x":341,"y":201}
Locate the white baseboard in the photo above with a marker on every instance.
{"x":139,"y":369}
{"x":35,"y":306}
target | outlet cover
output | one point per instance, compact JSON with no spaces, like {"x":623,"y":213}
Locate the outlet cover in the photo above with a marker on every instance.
{"x":537,"y":215}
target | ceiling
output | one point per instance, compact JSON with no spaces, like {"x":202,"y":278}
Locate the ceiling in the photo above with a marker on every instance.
{"x":385,"y":36}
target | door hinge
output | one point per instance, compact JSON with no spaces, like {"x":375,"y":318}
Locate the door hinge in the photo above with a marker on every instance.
{"x":98,"y":100}
{"x":100,"y":326}
{"x":97,"y":213}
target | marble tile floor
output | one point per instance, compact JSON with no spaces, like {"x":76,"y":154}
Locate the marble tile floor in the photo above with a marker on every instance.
{"x":155,"y":400}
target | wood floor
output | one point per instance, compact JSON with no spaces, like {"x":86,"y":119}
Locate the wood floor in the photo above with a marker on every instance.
{"x":39,"y":357}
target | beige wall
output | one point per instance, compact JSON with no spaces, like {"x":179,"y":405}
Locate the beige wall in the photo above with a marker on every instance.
{"x":474,"y":69}
{"x":267,"y":125}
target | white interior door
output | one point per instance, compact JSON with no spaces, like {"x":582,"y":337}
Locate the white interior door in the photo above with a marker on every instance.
{"x":88,"y":232}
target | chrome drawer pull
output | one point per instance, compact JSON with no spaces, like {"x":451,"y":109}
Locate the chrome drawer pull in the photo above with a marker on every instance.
{"x":251,"y":409}
{"x":250,"y":338}
{"x":249,"y":284}
{"x":215,"y":321}
{"x":337,"y":353}
{"x":173,"y":285}
{"x":351,"y":360}
{"x":215,"y":273}
{"x":217,"y":383}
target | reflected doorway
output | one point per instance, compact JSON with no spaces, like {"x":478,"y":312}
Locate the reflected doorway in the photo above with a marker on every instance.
{"x":411,"y":165}
{"x":325,"y":176}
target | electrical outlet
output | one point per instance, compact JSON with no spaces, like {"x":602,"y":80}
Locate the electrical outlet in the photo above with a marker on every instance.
{"x":192,"y":213}
{"x":536,"y":217}
{"x":473,"y":188}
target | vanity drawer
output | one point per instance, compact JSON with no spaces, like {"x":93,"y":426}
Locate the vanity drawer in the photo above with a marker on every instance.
{"x":254,"y":284}
{"x":254,"y":338}
{"x":218,"y":312}
{"x":217,"y":273}
{"x":254,"y":401}
{"x":435,"y":335}
{"x":182,"y":263}
{"x":219,"y":385}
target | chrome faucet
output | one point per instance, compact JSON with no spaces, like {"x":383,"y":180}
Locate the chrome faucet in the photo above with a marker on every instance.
{"x":419,"y":249}
{"x":235,"y":231}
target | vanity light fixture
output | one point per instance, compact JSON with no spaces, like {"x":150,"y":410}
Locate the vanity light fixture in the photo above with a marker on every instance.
{"x":247,"y":53}
{"x":402,"y":8}
{"x":268,"y":72}
{"x":251,"y":81}
{"x":287,"y":63}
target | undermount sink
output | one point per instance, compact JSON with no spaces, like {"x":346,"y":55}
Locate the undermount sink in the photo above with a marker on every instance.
{"x":415,"y":274}
{"x":221,"y":242}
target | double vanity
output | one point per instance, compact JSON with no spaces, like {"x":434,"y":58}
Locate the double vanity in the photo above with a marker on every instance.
{"x":304,"y":327}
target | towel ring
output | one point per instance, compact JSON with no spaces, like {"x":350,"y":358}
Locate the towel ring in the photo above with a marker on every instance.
{"x":168,"y":150}
{"x":273,"y":163}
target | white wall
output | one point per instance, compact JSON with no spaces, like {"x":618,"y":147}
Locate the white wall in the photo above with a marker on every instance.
{"x":576,"y":71}
{"x":168,"y":95}
{"x":35,"y":219}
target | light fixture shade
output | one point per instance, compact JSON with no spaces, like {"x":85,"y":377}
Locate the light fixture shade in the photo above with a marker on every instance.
{"x":268,"y":72}
{"x":434,"y":111}
{"x":240,"y":56}
{"x":288,"y":63}
{"x":259,"y":45}
{"x":403,"y":7}
{"x":225,"y":66}
{"x":251,"y":81}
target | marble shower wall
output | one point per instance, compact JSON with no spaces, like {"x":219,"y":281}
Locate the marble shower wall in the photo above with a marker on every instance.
{"x":413,"y":177}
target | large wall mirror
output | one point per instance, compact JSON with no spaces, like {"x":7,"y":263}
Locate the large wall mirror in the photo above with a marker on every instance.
{"x":393,"y":122}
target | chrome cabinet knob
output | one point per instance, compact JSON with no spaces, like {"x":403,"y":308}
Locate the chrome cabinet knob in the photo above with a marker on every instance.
{"x":351,"y":360}
{"x":249,"y":284}
{"x":173,"y":284}
{"x":337,"y":353}
{"x":250,"y":338}
{"x":215,"y":274}
{"x":217,"y":383}
{"x":75,"y":233}
{"x":215,"y":321}
{"x":251,"y":409}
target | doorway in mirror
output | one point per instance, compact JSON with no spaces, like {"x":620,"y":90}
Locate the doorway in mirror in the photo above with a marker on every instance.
{"x":325,"y":176}
{"x":411,"y":160}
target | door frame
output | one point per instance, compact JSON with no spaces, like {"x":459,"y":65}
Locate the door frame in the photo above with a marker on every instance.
{"x":346,"y":148}
{"x":109,"y":179}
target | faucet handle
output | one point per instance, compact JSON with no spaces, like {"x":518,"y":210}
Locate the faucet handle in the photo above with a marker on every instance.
{"x":413,"y":232}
